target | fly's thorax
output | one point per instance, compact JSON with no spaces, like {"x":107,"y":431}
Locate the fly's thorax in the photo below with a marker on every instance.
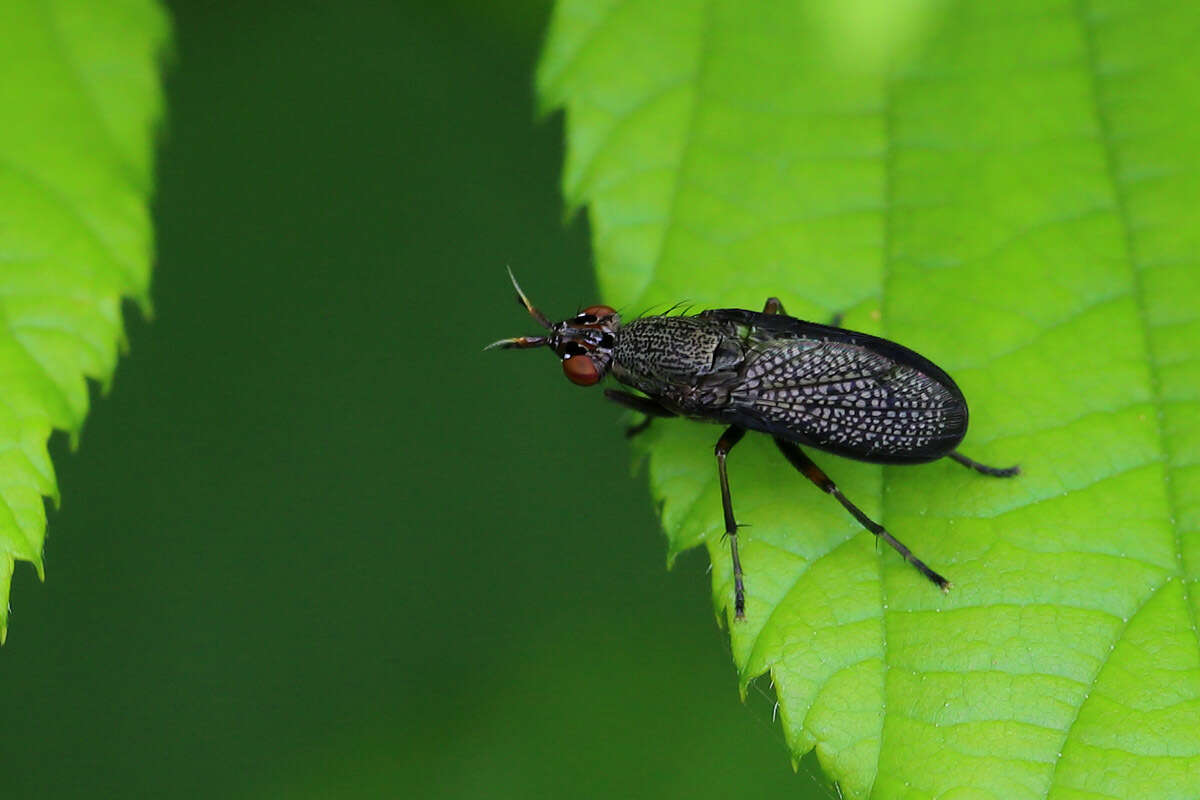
{"x":653,"y":353}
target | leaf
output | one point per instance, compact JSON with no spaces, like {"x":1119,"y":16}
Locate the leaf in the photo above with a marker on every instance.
{"x":1011,"y":190}
{"x":80,"y":96}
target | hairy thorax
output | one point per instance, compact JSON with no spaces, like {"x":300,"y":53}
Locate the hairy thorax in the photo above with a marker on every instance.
{"x":687,"y":362}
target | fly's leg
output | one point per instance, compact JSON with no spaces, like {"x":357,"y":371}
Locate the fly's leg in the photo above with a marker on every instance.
{"x":773,"y":306}
{"x":732,"y":435}
{"x":815,"y":474}
{"x":995,"y":472}
{"x":642,"y":405}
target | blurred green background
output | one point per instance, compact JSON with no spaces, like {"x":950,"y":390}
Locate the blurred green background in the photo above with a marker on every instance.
{"x":315,"y":542}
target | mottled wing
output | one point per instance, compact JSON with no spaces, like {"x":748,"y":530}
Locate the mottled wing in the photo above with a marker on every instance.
{"x":850,"y":394}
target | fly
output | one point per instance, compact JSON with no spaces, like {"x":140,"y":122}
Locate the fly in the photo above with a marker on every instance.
{"x":801,"y":383}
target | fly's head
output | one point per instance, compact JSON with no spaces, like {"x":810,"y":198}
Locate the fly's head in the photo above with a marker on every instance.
{"x":584,"y":342}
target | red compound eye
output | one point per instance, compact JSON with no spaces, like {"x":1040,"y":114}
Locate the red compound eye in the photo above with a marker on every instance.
{"x":599,"y":312}
{"x":581,"y":370}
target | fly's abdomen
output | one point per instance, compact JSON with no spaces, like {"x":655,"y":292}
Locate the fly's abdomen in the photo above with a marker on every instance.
{"x":849,"y":400}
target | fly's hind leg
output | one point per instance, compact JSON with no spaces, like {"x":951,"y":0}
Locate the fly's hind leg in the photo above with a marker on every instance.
{"x":815,"y":474}
{"x":642,"y":405}
{"x":995,"y":472}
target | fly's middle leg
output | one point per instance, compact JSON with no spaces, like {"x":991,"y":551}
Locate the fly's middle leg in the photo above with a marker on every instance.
{"x":815,"y":474}
{"x":732,"y":435}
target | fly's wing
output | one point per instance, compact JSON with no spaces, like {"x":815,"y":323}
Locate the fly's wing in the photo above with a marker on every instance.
{"x":851,"y":394}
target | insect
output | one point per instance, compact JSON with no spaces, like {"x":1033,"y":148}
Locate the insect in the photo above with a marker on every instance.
{"x":802,"y":383}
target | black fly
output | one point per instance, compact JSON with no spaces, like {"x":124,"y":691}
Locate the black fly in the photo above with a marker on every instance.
{"x":847,"y":393}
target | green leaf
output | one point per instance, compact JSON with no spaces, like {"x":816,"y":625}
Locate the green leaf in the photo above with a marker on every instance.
{"x":1010,"y":189}
{"x":79,"y":99}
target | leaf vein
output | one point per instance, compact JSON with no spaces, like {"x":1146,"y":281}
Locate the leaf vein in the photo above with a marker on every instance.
{"x":771,"y":619}
{"x":887,"y":117}
{"x":1091,"y":685}
{"x":1112,"y":166}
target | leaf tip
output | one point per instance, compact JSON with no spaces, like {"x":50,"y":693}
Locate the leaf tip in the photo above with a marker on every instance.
{"x":146,"y":305}
{"x":571,"y":206}
{"x":545,"y":104}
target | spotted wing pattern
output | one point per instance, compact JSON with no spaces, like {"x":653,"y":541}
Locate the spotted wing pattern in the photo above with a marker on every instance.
{"x":850,"y":399}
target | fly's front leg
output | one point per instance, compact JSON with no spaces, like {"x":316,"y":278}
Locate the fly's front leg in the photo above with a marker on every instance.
{"x":995,"y":472}
{"x":732,"y":435}
{"x":815,"y":474}
{"x":642,"y":405}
